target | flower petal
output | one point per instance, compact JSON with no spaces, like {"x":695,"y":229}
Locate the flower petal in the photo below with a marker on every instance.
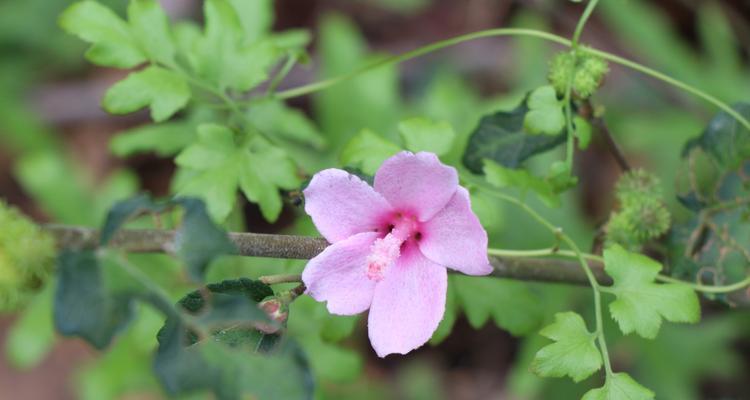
{"x":408,"y":304}
{"x":418,"y":184}
{"x":455,"y":238}
{"x":337,"y":275}
{"x":342,"y":205}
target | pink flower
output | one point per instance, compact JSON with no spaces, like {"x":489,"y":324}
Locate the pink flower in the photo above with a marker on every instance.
{"x":390,"y":246}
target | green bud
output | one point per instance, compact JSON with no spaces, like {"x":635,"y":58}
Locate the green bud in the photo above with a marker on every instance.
{"x":637,"y":184}
{"x":27,"y":256}
{"x":588,"y":72}
{"x":642,"y":215}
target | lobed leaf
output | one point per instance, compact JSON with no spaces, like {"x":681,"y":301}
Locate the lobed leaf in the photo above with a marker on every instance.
{"x":641,"y":303}
{"x":112,"y":42}
{"x":164,"y":91}
{"x":420,"y":134}
{"x":521,"y":179}
{"x":150,"y":27}
{"x":574,"y":352}
{"x":619,"y":386}
{"x":367,"y":151}
{"x":545,"y":114}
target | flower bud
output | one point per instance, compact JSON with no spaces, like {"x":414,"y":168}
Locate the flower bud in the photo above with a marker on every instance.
{"x":277,"y":311}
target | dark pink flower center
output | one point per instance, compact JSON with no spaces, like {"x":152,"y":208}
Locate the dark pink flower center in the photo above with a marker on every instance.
{"x":386,"y":250}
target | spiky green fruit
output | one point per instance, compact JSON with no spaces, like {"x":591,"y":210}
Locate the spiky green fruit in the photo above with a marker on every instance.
{"x":27,"y":255}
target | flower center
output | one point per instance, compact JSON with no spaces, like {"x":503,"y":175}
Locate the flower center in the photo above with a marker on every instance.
{"x":386,"y":250}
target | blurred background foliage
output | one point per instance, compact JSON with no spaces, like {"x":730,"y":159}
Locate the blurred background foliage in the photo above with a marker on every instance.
{"x":61,"y":160}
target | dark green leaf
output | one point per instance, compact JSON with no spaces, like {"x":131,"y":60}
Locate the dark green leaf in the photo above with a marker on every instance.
{"x":199,"y":241}
{"x":239,"y":358}
{"x":125,"y":210}
{"x":501,"y":138}
{"x":725,"y":138}
{"x":91,"y":301}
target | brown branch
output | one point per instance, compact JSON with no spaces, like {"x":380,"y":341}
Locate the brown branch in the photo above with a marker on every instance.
{"x":305,"y":247}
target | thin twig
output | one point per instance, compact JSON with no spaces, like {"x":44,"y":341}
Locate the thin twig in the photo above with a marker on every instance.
{"x":305,"y":247}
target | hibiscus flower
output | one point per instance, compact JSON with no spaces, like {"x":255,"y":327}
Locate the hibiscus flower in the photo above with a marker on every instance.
{"x":391,"y":244}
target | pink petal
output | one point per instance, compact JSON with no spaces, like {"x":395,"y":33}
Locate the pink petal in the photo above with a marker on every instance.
{"x":408,"y":304}
{"x":455,"y":238}
{"x":342,"y":205}
{"x":418,"y":184}
{"x":337,"y":275}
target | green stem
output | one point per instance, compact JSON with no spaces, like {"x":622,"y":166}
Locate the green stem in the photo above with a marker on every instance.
{"x":570,"y":145}
{"x":326,"y":83}
{"x":276,"y":81}
{"x":584,"y":265}
{"x":554,"y":251}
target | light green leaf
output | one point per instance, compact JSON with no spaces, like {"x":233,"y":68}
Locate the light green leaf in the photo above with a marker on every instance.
{"x":421,"y":134}
{"x":32,"y":336}
{"x":162,"y":90}
{"x":545,"y":112}
{"x":256,"y":17}
{"x":112,"y":42}
{"x":276,"y":118}
{"x":221,"y":164}
{"x":150,"y":26}
{"x":165,"y":139}
{"x":367,"y":151}
{"x":573,"y":353}
{"x":224,"y":56}
{"x":265,"y":168}
{"x":512,"y":305}
{"x":641,"y":303}
{"x":582,"y":132}
{"x":521,"y":179}
{"x":619,"y":386}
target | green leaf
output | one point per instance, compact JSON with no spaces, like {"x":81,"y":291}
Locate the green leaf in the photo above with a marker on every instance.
{"x":367,"y":151}
{"x":221,"y":165}
{"x":573,"y":353}
{"x":238,"y":358}
{"x":276,"y":118}
{"x":521,"y":179}
{"x":545,"y":113}
{"x":582,"y":132}
{"x":512,"y":305}
{"x":725,"y":139}
{"x":225,"y":57}
{"x":256,"y":17}
{"x":501,"y":138}
{"x":150,"y":26}
{"x":372,"y":100}
{"x":318,"y":333}
{"x":92,"y":301}
{"x":164,"y":91}
{"x":641,"y":303}
{"x":421,"y":134}
{"x":32,"y":336}
{"x":199,"y":241}
{"x":112,"y":43}
{"x":165,"y":139}
{"x":619,"y":386}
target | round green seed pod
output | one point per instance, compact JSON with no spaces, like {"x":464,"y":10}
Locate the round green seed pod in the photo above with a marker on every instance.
{"x":637,"y":185}
{"x":27,"y":256}
{"x":587,"y":72}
